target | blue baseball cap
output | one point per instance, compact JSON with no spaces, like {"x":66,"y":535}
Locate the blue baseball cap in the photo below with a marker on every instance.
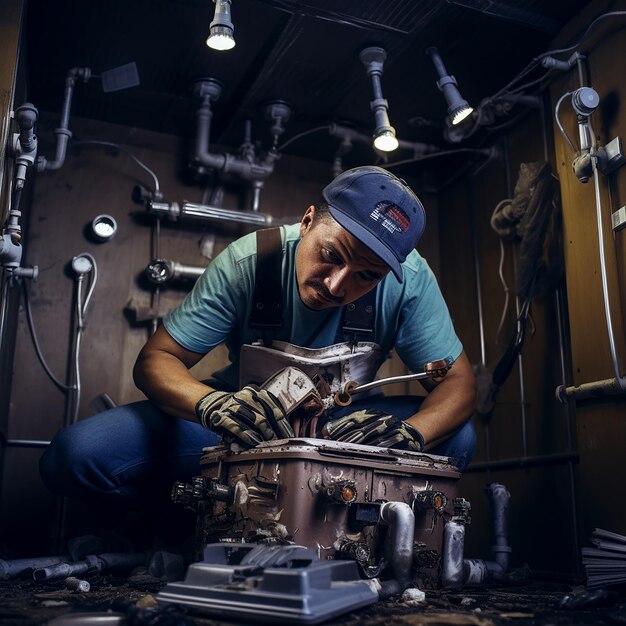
{"x":380,"y":210}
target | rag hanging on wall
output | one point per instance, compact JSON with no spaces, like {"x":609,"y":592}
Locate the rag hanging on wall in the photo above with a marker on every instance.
{"x":531,"y":217}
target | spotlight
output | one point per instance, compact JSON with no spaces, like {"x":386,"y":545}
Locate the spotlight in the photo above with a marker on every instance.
{"x":221,"y":29}
{"x":384,"y":134}
{"x":458,"y":108}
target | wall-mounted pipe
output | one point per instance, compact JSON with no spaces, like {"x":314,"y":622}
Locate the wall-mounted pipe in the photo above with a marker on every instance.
{"x":612,"y":386}
{"x":161,"y":271}
{"x":458,"y":572}
{"x":190,"y":210}
{"x":247,"y":166}
{"x":63,"y":134}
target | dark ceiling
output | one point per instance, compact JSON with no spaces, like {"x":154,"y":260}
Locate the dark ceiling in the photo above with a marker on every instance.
{"x":302,"y":51}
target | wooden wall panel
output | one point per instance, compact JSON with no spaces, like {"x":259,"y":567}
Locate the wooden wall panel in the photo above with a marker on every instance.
{"x":601,"y":423}
{"x":526,"y":420}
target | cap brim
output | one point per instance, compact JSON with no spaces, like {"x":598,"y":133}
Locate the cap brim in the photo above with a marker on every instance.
{"x":369,"y":240}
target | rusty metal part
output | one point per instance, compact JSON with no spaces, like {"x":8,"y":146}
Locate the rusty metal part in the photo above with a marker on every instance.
{"x":430,"y":500}
{"x":434,"y":370}
{"x":293,"y":388}
{"x":284,"y":482}
{"x":341,"y":491}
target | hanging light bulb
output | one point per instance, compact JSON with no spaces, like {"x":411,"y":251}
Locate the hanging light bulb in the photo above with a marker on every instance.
{"x":386,"y":140}
{"x":384,"y":133}
{"x":458,"y":108}
{"x":221,"y":29}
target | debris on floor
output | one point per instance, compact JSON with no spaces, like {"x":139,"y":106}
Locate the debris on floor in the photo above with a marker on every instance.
{"x":25,"y":602}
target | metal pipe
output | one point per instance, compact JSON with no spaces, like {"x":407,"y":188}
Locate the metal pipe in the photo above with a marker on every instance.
{"x":161,"y":271}
{"x":499,"y":498}
{"x":520,"y":361}
{"x":457,"y":571}
{"x":452,"y":556}
{"x":63,"y":134}
{"x":19,"y":567}
{"x":5,"y":286}
{"x":479,"y":302}
{"x":621,"y":381}
{"x":596,"y":389}
{"x":481,"y":323}
{"x":558,"y":300}
{"x":529,"y":461}
{"x":190,"y":210}
{"x":227,"y":163}
{"x":400,"y":518}
{"x":25,"y":443}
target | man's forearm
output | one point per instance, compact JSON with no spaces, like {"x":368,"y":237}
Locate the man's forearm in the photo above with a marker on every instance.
{"x":168,"y":384}
{"x":448,"y":405}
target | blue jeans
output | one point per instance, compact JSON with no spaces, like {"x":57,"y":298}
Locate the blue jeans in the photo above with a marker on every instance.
{"x":135,"y":452}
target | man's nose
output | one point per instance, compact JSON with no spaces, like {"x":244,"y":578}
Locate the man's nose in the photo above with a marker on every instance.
{"x":336,"y":282}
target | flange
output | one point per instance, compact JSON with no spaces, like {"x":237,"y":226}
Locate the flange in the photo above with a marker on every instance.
{"x":208,"y":86}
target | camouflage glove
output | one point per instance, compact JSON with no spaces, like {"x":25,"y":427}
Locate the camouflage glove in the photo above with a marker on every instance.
{"x":374,"y":428}
{"x":247,"y":417}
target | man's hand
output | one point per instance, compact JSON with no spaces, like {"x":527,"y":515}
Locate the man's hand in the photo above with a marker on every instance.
{"x":374,"y":428}
{"x":248,"y":417}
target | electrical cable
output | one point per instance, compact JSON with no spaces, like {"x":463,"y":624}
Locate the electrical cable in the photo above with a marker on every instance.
{"x":506,"y":291}
{"x":433,"y":155}
{"x":549,"y":53}
{"x":33,"y":334}
{"x":484,"y":163}
{"x":108,"y":144}
{"x":81,"y":312}
{"x":583,"y":37}
{"x":501,"y":265}
{"x":558,"y":121}
{"x":302,"y":134}
{"x":300,"y":8}
{"x":537,"y":60}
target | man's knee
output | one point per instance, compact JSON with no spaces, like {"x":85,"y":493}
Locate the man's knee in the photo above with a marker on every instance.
{"x":460,"y":446}
{"x":62,"y":462}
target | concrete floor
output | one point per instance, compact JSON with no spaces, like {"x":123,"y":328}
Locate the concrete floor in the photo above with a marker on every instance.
{"x":25,"y":602}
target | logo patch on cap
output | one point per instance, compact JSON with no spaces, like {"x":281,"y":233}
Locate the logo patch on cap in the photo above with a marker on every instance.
{"x":391,"y":217}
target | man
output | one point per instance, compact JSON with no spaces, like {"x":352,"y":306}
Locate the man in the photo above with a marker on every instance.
{"x":359,"y":240}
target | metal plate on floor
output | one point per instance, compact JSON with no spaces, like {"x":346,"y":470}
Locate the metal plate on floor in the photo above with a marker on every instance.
{"x":107,"y":618}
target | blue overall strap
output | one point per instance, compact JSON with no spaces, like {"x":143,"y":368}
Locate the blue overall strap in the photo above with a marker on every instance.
{"x":359,"y":318}
{"x":267,"y":300}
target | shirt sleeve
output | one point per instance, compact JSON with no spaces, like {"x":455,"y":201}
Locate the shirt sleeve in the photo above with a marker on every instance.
{"x":213,"y":310}
{"x":425,"y":332}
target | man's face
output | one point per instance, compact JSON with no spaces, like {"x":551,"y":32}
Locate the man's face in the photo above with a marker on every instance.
{"x":333,"y":268}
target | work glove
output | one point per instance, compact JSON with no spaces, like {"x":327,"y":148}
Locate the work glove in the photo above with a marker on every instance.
{"x":247,"y":417}
{"x":374,"y":428}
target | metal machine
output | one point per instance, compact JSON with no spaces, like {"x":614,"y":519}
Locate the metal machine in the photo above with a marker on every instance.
{"x":302,"y":529}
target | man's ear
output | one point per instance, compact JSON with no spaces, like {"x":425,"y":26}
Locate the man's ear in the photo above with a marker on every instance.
{"x":307,"y":220}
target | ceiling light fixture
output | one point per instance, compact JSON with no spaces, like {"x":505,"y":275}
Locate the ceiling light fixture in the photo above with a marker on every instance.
{"x":458,"y":108}
{"x":384,"y":134}
{"x":221,"y":29}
